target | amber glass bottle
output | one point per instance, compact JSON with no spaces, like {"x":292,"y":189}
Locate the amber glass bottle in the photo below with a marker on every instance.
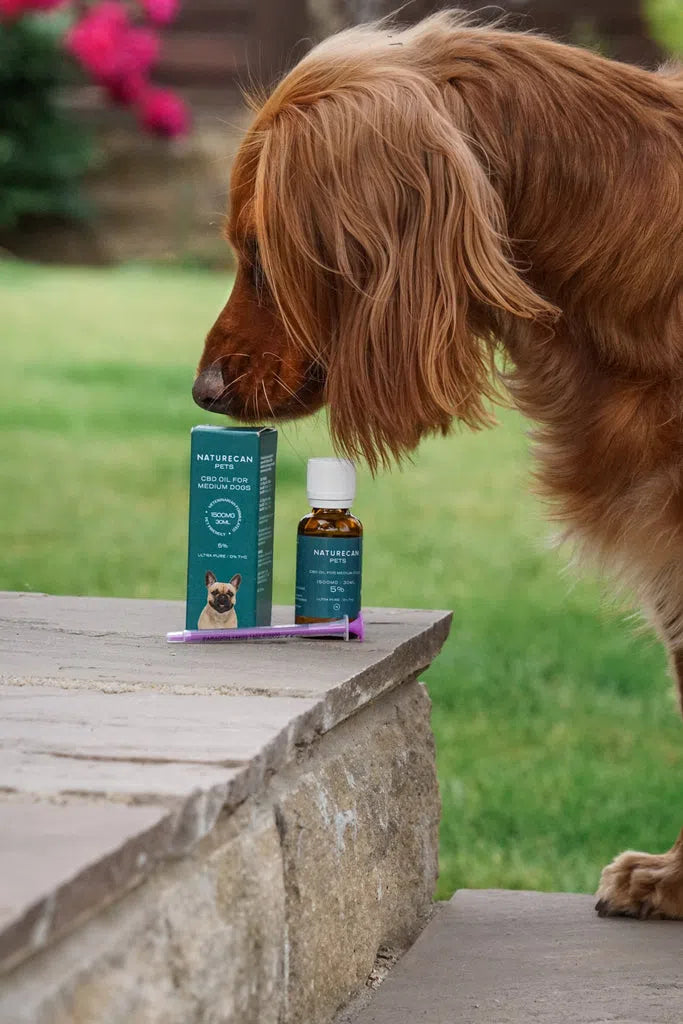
{"x":329,"y":551}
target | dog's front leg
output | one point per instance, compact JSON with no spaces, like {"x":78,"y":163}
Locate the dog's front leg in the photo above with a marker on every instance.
{"x":647,"y":885}
{"x":643,"y":885}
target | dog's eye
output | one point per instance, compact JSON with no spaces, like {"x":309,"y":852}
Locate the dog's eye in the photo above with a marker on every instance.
{"x":213,"y":593}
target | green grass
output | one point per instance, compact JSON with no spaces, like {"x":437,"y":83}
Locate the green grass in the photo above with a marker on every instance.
{"x":558,"y":741}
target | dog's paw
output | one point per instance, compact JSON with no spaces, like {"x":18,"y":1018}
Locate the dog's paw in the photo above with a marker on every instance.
{"x":643,"y":885}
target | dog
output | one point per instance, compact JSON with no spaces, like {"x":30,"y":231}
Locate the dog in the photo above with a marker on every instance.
{"x":219,"y":610}
{"x":427,"y":218}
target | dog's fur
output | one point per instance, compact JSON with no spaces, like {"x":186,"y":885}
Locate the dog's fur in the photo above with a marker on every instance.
{"x":221,"y":598}
{"x":409,"y":203}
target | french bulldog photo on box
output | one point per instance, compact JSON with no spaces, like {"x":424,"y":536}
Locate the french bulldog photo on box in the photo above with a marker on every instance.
{"x":219,"y":610}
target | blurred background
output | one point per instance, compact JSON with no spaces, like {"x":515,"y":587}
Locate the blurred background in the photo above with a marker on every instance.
{"x":164,"y":202}
{"x":557,"y":736}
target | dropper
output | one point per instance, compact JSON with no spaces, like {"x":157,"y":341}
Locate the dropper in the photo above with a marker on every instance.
{"x":336,"y":627}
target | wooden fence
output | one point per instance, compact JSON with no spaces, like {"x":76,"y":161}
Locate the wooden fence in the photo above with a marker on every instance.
{"x":217,"y":45}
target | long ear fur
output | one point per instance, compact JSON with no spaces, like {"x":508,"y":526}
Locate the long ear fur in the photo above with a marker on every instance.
{"x":384,"y":245}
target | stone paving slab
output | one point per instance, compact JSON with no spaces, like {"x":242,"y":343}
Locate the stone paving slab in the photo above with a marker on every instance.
{"x":99,"y":714}
{"x":57,"y":860}
{"x":98,"y":615}
{"x":493,"y":957}
{"x":199,"y":942}
{"x":113,"y":644}
{"x":143,"y":727}
{"x":147,"y":745}
{"x":43,"y":775}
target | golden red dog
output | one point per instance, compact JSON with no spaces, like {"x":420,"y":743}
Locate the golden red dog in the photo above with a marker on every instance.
{"x":409,"y":203}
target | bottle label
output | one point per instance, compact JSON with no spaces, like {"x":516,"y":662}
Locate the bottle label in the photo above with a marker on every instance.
{"x":328,"y":576}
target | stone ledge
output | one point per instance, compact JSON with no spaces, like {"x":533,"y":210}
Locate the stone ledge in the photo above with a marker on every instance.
{"x":276,"y":915}
{"x":114,"y":644}
{"x":120,"y":753}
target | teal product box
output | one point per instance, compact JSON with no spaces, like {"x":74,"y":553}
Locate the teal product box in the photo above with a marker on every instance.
{"x":230,"y":546}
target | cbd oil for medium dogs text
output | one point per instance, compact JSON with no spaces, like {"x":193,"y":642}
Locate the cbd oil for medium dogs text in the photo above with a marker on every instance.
{"x":232,"y":505}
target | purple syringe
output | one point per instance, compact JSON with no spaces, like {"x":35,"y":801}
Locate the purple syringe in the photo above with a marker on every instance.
{"x":337,"y":627}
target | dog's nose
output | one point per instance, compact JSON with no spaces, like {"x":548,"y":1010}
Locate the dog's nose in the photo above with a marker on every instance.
{"x":209,"y":387}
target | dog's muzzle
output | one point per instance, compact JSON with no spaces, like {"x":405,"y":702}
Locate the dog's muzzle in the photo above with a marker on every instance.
{"x":209,"y":388}
{"x":222,"y":604}
{"x":215,"y":390}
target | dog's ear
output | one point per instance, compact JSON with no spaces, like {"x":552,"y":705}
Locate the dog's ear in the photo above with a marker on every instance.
{"x":209,"y":579}
{"x":236,"y":580}
{"x":381,"y":234}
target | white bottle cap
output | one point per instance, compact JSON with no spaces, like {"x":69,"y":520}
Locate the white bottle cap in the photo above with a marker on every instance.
{"x":330,"y":483}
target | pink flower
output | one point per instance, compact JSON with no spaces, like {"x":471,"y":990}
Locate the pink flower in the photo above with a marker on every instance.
{"x":127,"y":90}
{"x":15,"y":8}
{"x":116,"y":54}
{"x":96,"y":39}
{"x":139,"y":50}
{"x":164,"y":113}
{"x":119,"y":56}
{"x":12,"y":8}
{"x":160,"y":12}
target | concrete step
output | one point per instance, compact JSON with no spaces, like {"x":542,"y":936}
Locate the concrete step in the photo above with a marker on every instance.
{"x":494,"y":957}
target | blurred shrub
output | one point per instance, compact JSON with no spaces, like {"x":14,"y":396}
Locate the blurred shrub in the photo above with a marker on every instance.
{"x":43,"y":153}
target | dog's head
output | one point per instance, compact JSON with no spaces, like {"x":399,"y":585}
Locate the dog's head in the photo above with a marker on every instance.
{"x":372,"y":256}
{"x":222,"y":597}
